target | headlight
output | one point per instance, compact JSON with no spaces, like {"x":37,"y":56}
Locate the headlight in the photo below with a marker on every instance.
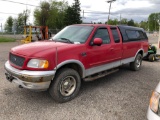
{"x":36,"y":63}
{"x":154,"y":101}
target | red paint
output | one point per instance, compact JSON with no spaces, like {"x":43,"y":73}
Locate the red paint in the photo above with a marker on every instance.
{"x":93,"y":55}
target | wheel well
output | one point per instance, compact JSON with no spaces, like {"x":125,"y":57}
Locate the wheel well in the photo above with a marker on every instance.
{"x":73,"y":66}
{"x":141,"y":52}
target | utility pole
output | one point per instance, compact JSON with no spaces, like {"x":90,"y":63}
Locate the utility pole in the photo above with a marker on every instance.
{"x":148,"y":24}
{"x":120,"y":19}
{"x":109,"y":1}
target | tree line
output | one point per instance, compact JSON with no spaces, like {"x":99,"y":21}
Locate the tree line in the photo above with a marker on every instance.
{"x":58,"y":14}
{"x":54,"y":14}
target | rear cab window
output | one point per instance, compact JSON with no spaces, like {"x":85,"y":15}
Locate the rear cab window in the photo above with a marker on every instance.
{"x":132,"y":33}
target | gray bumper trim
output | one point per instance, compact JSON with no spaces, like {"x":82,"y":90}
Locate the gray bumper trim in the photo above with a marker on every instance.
{"x":35,"y":80}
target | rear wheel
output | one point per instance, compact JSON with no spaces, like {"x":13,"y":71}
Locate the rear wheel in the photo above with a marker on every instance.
{"x":65,"y":85}
{"x":151,"y":57}
{"x":136,"y":65}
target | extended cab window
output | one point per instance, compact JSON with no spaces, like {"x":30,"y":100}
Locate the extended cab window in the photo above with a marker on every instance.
{"x":132,"y":34}
{"x":103,"y":34}
{"x":115,"y":35}
{"x":135,"y":35}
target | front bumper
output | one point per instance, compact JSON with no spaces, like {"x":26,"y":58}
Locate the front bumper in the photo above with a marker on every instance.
{"x":151,"y":115}
{"x":33,"y":80}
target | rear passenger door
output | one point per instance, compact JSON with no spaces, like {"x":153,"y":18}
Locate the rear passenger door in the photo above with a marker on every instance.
{"x":117,"y":45}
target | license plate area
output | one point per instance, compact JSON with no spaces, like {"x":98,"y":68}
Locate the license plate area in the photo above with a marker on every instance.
{"x":9,"y":77}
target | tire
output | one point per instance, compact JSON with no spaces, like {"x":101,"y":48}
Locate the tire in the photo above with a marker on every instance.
{"x":151,"y":58}
{"x":65,"y":86}
{"x":136,"y":65}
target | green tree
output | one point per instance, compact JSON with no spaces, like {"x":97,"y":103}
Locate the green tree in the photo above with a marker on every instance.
{"x":144,"y":25}
{"x":50,"y":14}
{"x":72,"y":15}
{"x":153,"y":21}
{"x":9,"y":24}
{"x":131,"y":23}
{"x":22,"y":20}
{"x":41,"y":14}
{"x":124,"y":21}
{"x":113,"y":22}
{"x":57,"y":14}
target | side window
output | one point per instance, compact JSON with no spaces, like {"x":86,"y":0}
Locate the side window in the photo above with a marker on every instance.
{"x":103,"y":34}
{"x":135,"y":35}
{"x":141,"y":35}
{"x":115,"y":35}
{"x":132,"y":34}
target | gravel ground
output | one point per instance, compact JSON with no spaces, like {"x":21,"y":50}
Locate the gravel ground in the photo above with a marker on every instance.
{"x":123,"y":95}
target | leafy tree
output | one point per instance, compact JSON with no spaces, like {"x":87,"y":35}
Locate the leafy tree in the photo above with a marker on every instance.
{"x":21,"y":20}
{"x":153,"y":21}
{"x":124,"y":21}
{"x":57,"y":14}
{"x":50,"y":14}
{"x":9,"y":24}
{"x":113,"y":22}
{"x":131,"y":23}
{"x":72,"y":15}
{"x":41,"y":14}
{"x":144,"y":25}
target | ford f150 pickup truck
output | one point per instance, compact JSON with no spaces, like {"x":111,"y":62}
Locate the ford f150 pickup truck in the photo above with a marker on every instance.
{"x":78,"y":52}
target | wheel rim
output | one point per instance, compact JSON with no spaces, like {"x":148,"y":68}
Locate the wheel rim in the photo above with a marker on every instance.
{"x":153,"y":58}
{"x":68,"y":86}
{"x":138,"y":62}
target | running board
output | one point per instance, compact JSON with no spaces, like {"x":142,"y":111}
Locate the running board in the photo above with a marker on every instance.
{"x":99,"y":75}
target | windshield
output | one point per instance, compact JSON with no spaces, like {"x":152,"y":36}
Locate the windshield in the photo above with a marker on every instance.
{"x":73,"y":34}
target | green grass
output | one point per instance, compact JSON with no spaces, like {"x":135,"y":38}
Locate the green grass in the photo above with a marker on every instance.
{"x":6,"y":39}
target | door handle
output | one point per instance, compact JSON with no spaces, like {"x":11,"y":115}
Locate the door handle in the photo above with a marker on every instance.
{"x":111,"y":49}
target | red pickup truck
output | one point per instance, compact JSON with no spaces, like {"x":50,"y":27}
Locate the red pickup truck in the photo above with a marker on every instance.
{"x":78,"y":52}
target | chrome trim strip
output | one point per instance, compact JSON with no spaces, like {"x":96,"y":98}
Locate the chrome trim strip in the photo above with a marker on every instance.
{"x":107,"y":66}
{"x":33,"y":86}
{"x":27,"y":72}
{"x":128,"y":60}
{"x":72,"y":61}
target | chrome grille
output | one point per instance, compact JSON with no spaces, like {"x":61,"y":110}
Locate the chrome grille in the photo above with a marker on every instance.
{"x":16,"y":60}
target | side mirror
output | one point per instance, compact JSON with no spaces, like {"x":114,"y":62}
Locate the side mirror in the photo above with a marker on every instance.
{"x":97,"y":41}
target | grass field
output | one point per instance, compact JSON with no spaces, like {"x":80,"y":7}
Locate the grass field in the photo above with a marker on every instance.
{"x":6,"y":39}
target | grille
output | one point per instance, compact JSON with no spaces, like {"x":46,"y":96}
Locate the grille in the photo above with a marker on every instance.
{"x":16,"y":60}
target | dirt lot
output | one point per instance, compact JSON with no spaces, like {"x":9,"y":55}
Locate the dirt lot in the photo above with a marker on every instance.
{"x":123,"y":95}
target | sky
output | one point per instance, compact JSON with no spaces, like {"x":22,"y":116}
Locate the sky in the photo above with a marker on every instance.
{"x":94,"y":10}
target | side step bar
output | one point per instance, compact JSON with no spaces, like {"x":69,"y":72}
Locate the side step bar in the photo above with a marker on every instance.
{"x":99,"y":75}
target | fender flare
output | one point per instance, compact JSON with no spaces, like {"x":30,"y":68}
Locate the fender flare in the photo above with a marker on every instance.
{"x":72,"y":61}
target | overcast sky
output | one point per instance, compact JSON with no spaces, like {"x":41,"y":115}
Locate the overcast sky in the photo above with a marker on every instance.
{"x":94,"y":10}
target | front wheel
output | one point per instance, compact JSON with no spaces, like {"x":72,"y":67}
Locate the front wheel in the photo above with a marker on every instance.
{"x":65,"y":85}
{"x":136,"y":64}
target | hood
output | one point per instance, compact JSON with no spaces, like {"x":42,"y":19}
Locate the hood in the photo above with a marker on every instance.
{"x":31,"y":49}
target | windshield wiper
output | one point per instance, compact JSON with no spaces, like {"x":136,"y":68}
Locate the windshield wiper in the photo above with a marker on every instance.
{"x":68,"y":40}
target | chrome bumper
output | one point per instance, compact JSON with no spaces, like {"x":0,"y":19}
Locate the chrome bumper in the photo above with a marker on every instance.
{"x":151,"y":115}
{"x":33,"y":80}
